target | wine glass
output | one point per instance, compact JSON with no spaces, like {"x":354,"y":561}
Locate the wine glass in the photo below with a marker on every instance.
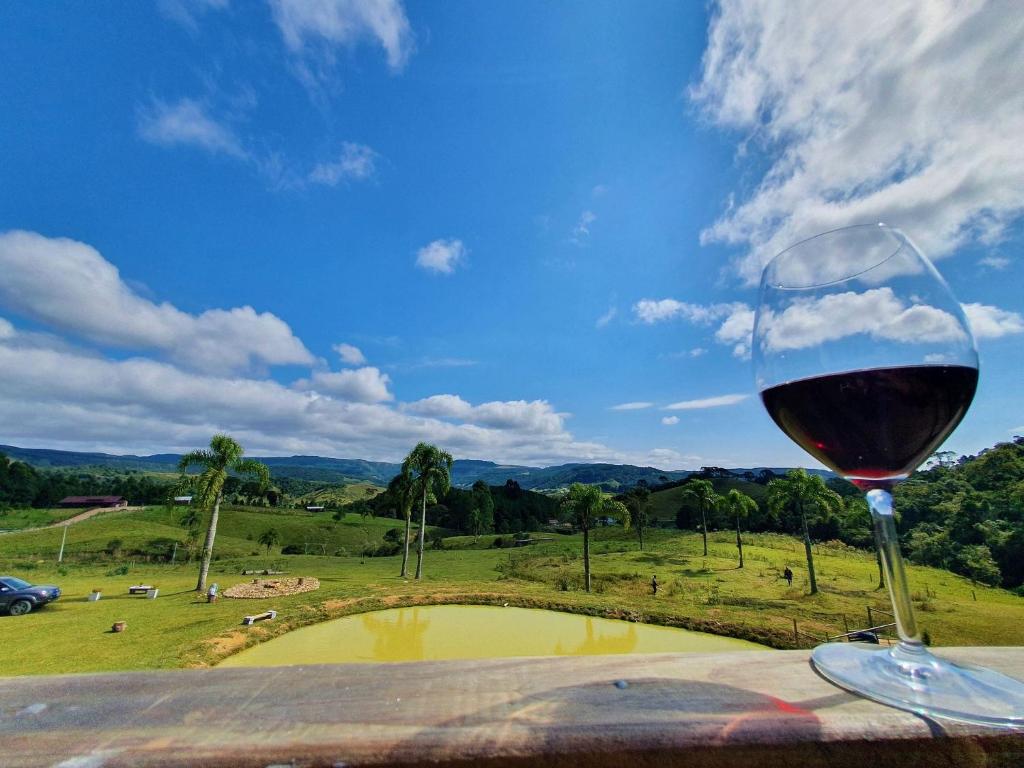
{"x":864,"y":358}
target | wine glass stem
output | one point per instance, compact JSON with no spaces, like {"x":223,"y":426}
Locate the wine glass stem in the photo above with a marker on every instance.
{"x":880,"y":503}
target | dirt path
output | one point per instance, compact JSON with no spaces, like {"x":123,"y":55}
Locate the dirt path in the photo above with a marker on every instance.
{"x":74,"y":519}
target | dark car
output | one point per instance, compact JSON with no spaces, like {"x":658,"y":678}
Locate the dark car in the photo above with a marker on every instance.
{"x":18,"y":597}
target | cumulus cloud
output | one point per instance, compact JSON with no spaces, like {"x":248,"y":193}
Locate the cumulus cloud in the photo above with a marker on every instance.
{"x":708,"y":402}
{"x":878,"y":313}
{"x":359,"y":385}
{"x":669,"y":421}
{"x":988,"y":322}
{"x":314,"y":31}
{"x":537,"y":417}
{"x":637,"y":406}
{"x":441,"y":256}
{"x":70,"y":287}
{"x":357,"y":162}
{"x":350,"y":354}
{"x":188,"y":122}
{"x":908,"y":114}
{"x":144,"y":405}
{"x":6,"y":329}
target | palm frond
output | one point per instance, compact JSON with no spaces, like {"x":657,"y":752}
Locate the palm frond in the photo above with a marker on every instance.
{"x":201,"y":458}
{"x":254,"y":468}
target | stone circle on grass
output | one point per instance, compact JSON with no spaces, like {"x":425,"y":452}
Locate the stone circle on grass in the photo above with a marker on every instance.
{"x":258,"y":588}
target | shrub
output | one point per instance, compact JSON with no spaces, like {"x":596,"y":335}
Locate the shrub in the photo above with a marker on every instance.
{"x":121,"y":570}
{"x":499,"y":542}
{"x":394,"y":534}
{"x":293,"y":549}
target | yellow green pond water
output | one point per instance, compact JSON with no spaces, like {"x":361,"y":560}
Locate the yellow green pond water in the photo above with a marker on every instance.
{"x":471,"y":632}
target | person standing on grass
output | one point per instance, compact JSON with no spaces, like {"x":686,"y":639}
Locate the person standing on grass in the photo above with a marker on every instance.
{"x":654,"y":585}
{"x":788,"y":576}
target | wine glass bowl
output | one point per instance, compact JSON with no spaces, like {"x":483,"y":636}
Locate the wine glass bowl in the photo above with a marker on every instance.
{"x":865,"y":359}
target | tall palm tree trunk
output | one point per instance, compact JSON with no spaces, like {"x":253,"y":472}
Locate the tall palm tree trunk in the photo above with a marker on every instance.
{"x":807,"y":550}
{"x":405,"y":553}
{"x":423,"y":531}
{"x":211,"y":533}
{"x":704,"y":529}
{"x":640,"y":533}
{"x":586,"y":558}
{"x":739,"y":540}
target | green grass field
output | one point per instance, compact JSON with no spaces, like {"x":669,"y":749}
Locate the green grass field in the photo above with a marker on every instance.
{"x":19,"y":519}
{"x":665,"y":504}
{"x":711,"y":594}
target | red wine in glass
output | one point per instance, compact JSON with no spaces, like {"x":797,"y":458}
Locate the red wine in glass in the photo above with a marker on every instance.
{"x":873,"y":426}
{"x":864,"y":357}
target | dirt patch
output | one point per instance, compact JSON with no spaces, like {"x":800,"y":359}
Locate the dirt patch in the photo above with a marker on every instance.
{"x":262,"y":588}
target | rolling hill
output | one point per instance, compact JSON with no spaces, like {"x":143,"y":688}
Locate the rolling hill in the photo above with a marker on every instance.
{"x":611,"y":477}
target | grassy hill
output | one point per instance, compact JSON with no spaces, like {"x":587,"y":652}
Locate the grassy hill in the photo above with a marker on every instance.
{"x":709,"y":594}
{"x":666,"y":503}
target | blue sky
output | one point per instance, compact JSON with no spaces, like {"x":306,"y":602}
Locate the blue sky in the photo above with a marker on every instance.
{"x":342,"y":227}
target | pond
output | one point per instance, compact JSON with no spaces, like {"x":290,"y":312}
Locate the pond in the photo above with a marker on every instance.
{"x":471,"y":632}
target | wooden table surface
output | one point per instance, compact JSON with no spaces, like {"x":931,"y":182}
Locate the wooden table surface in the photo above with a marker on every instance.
{"x":697,"y":710}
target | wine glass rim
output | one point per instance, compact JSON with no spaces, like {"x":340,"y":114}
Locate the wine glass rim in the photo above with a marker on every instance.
{"x":880,"y":226}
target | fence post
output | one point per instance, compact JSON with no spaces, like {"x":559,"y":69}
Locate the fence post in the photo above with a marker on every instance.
{"x":796,"y":636}
{"x":871,"y":621}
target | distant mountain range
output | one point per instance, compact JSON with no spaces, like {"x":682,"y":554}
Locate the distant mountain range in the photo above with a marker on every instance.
{"x":322,"y":469}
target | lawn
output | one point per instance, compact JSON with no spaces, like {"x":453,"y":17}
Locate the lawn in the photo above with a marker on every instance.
{"x":18,"y":519}
{"x":180,"y":629}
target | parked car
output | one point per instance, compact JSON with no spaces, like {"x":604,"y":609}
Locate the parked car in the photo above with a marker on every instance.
{"x":18,"y":597}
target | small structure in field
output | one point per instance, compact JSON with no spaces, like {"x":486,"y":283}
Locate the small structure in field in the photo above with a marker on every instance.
{"x":260,"y":588}
{"x":182,"y":501}
{"x":315,"y":508}
{"x":93,"y":501}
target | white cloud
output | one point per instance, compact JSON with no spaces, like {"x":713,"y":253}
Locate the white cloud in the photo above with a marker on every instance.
{"x":350,"y":354}
{"x":707,"y":402}
{"x":313,"y":30}
{"x":441,"y":406}
{"x":188,"y":122}
{"x":6,"y":329}
{"x":698,"y":352}
{"x":631,"y":406}
{"x":908,"y":114}
{"x":599,"y":190}
{"x":669,"y":421}
{"x":878,"y":312}
{"x":998,"y":263}
{"x":607,"y":317}
{"x":988,"y":322}
{"x":143,"y":406}
{"x":70,"y":287}
{"x":441,"y":256}
{"x":359,"y":385}
{"x":652,"y":311}
{"x":581,"y":232}
{"x":357,"y":162}
{"x":185,"y":12}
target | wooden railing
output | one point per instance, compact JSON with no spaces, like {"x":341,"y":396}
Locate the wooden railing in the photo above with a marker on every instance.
{"x":697,"y":710}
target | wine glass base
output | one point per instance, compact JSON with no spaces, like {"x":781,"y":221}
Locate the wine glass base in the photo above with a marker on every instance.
{"x":910,"y":677}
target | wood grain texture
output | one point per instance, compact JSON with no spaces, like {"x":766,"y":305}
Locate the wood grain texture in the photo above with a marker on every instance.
{"x":696,"y":710}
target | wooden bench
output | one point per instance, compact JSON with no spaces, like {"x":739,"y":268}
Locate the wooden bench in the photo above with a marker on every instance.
{"x":139,"y":589}
{"x":265,"y":616}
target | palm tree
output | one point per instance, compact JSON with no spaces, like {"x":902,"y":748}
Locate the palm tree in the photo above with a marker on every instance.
{"x":584,"y":505}
{"x":402,"y":490}
{"x":223,"y":456}
{"x":269,"y":538}
{"x":703,"y":493}
{"x":638,"y":500}
{"x":740,"y":505}
{"x":430,"y":469}
{"x":802,"y":492}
